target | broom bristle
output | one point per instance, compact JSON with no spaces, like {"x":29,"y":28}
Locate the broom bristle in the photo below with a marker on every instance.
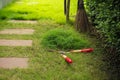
{"x":82,"y":22}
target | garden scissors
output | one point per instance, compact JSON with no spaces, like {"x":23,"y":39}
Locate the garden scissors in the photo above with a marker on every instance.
{"x":67,"y":59}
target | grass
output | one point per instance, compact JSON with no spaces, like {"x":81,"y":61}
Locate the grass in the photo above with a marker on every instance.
{"x":44,"y":65}
{"x":37,"y":10}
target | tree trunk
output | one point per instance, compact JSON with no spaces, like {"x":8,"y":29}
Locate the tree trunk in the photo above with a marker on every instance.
{"x":67,"y":10}
{"x":82,"y":22}
{"x":65,"y":7}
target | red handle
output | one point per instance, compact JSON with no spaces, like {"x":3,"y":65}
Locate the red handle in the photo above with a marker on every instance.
{"x":68,"y":60}
{"x":87,"y":50}
{"x":83,"y":50}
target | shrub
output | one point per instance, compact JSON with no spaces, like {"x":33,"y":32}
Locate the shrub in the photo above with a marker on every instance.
{"x":105,"y":16}
{"x":63,"y":39}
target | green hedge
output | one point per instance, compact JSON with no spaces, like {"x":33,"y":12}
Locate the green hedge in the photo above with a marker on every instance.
{"x":105,"y":17}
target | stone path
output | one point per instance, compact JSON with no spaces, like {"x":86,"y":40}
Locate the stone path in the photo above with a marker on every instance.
{"x":23,"y":21}
{"x":17,"y":31}
{"x":10,"y":63}
{"x":29,"y":3}
{"x":15,"y":42}
{"x":33,"y":3}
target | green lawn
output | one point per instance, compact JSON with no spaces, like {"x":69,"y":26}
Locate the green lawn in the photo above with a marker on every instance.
{"x":44,"y":65}
{"x":29,"y":9}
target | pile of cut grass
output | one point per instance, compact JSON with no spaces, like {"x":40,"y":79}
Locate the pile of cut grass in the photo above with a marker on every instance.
{"x":64,"y":40}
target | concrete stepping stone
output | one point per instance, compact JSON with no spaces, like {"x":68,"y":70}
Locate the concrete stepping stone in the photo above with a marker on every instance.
{"x":17,"y":31}
{"x":32,"y":3}
{"x":15,"y":42}
{"x":10,"y":63}
{"x":19,"y":2}
{"x":29,"y":3}
{"x":23,"y":21}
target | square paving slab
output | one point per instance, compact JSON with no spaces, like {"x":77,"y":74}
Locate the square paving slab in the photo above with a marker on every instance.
{"x":32,"y":3}
{"x":23,"y":21}
{"x":17,"y":31}
{"x":10,"y":63}
{"x":15,"y":42}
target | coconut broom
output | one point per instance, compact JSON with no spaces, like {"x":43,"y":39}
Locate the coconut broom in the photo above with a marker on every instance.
{"x":82,"y":22}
